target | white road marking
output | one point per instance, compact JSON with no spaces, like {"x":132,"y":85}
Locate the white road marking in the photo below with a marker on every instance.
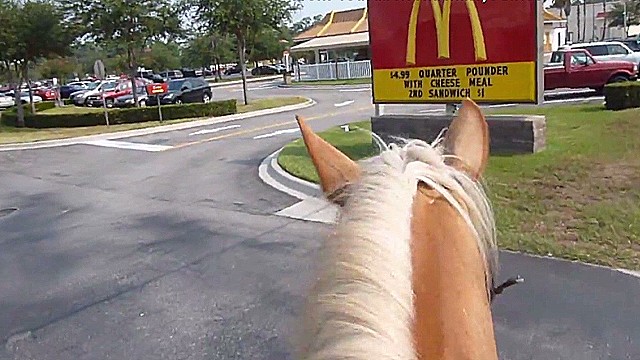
{"x":264,"y":87}
{"x":215,"y":130}
{"x":128,"y":145}
{"x":275,"y":133}
{"x":354,"y":90}
{"x":344,"y":103}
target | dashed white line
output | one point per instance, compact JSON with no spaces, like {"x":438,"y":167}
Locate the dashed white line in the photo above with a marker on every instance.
{"x":344,"y":103}
{"x":128,"y":145}
{"x":275,"y":133}
{"x":215,"y":130}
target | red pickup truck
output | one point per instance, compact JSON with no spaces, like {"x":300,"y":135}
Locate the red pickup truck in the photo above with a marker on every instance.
{"x":577,"y":69}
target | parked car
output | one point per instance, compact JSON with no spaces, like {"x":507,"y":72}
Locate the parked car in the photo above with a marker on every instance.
{"x":171,"y":74}
{"x":107,"y":85}
{"x":127,"y":100}
{"x":607,"y":51}
{"x":233,"y":70}
{"x":66,"y":90}
{"x":265,"y":70}
{"x":46,"y":93}
{"x":122,"y":88}
{"x":186,"y":90}
{"x":578,"y":69}
{"x":6,"y":101}
{"x":24,"y":96}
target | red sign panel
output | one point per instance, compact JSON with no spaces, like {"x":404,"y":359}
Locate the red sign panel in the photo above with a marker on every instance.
{"x":155,"y":89}
{"x":442,"y":51}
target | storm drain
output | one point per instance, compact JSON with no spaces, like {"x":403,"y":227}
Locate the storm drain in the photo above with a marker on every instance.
{"x":7,"y":211}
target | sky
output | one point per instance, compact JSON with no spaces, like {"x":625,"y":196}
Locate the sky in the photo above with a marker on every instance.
{"x":314,"y":7}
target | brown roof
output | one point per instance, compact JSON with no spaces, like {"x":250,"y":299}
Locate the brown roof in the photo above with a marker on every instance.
{"x":549,"y":16}
{"x":355,"y":20}
{"x":338,"y":23}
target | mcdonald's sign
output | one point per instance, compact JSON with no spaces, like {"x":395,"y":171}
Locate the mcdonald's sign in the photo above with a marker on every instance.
{"x":443,"y":51}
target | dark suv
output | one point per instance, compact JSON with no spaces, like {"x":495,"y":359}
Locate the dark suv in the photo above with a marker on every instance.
{"x":186,"y":90}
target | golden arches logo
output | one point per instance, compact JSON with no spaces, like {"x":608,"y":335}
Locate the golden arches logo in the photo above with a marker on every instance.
{"x":442,"y":20}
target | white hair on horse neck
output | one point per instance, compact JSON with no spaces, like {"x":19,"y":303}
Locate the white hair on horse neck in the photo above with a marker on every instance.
{"x":361,"y":305}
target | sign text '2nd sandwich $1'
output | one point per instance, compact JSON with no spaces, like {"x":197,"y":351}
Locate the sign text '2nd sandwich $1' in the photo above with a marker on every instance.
{"x":444,"y":51}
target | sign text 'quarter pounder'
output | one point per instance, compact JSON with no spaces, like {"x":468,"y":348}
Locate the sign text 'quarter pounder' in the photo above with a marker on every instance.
{"x":443,"y":51}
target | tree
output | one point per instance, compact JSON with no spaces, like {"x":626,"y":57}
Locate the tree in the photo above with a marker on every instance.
{"x":242,"y":19}
{"x":207,"y":49}
{"x":129,"y":24}
{"x":32,"y":30}
{"x":616,"y":15}
{"x":59,"y":67}
{"x":266,"y":44}
{"x":160,"y":56}
{"x":305,"y":24}
{"x":565,"y":6}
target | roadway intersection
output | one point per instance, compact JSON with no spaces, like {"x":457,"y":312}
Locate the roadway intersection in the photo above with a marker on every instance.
{"x":109,"y":252}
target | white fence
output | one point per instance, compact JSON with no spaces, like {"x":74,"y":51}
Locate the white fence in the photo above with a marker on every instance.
{"x":333,"y":71}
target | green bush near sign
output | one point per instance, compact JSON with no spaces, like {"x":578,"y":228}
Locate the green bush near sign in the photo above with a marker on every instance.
{"x":123,"y":116}
{"x":622,"y":95}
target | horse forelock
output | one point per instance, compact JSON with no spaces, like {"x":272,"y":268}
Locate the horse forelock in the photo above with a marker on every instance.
{"x":362,"y":301}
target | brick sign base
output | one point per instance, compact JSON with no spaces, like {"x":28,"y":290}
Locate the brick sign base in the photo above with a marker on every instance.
{"x":510,"y":134}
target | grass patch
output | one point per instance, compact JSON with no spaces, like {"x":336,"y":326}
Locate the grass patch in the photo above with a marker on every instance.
{"x":579,"y":199}
{"x":334,"y":82}
{"x":356,"y":144}
{"x":269,"y":103}
{"x":71,"y":109}
{"x":9,"y":134}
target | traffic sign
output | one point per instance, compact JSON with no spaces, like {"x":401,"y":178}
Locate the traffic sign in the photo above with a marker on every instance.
{"x":156,"y":89}
{"x":98,"y":69}
{"x":446,"y":51}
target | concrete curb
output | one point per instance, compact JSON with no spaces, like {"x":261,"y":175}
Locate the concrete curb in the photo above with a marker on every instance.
{"x":325,"y":87}
{"x":313,"y":207}
{"x":153,"y":130}
{"x":236,"y":82}
{"x":273,"y":175}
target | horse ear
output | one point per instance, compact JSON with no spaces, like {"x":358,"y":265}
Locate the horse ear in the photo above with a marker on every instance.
{"x":335,"y":169}
{"x":468,"y":140}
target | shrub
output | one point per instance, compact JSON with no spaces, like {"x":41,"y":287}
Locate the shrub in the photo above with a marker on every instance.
{"x":125,"y":116}
{"x":622,"y":95}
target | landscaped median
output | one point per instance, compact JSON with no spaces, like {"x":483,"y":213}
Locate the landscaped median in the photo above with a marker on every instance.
{"x":52,"y":122}
{"x":578,"y":199}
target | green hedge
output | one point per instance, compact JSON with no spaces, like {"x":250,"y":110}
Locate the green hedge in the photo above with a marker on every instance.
{"x":622,"y":95}
{"x":124,"y":116}
{"x":40,"y":106}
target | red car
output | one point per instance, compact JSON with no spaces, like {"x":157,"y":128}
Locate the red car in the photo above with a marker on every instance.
{"x":46,"y":93}
{"x":123,"y":88}
{"x":577,"y":69}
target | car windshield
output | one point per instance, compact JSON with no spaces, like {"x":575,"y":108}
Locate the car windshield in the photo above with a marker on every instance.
{"x":175,"y":85}
{"x":109,"y":86}
{"x":93,"y":85}
{"x":557,"y":57}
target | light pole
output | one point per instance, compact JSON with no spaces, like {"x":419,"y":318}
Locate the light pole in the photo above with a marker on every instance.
{"x":624,"y":17}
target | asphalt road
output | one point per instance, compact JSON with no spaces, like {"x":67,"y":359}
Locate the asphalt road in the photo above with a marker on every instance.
{"x":109,"y":253}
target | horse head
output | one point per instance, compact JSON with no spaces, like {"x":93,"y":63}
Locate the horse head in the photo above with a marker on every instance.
{"x":408,"y":272}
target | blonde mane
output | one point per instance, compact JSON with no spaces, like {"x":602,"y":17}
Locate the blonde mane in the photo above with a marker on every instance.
{"x":361,"y":305}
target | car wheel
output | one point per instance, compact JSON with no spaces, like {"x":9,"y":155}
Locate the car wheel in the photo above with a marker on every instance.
{"x":178,"y":102}
{"x":618,"y":78}
{"x":142,"y":103}
{"x":206,"y":98}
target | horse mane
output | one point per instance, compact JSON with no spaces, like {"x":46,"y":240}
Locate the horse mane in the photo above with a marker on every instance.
{"x":361,"y":304}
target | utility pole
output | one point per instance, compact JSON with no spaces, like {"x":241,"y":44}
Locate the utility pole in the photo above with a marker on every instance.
{"x":624,"y":16}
